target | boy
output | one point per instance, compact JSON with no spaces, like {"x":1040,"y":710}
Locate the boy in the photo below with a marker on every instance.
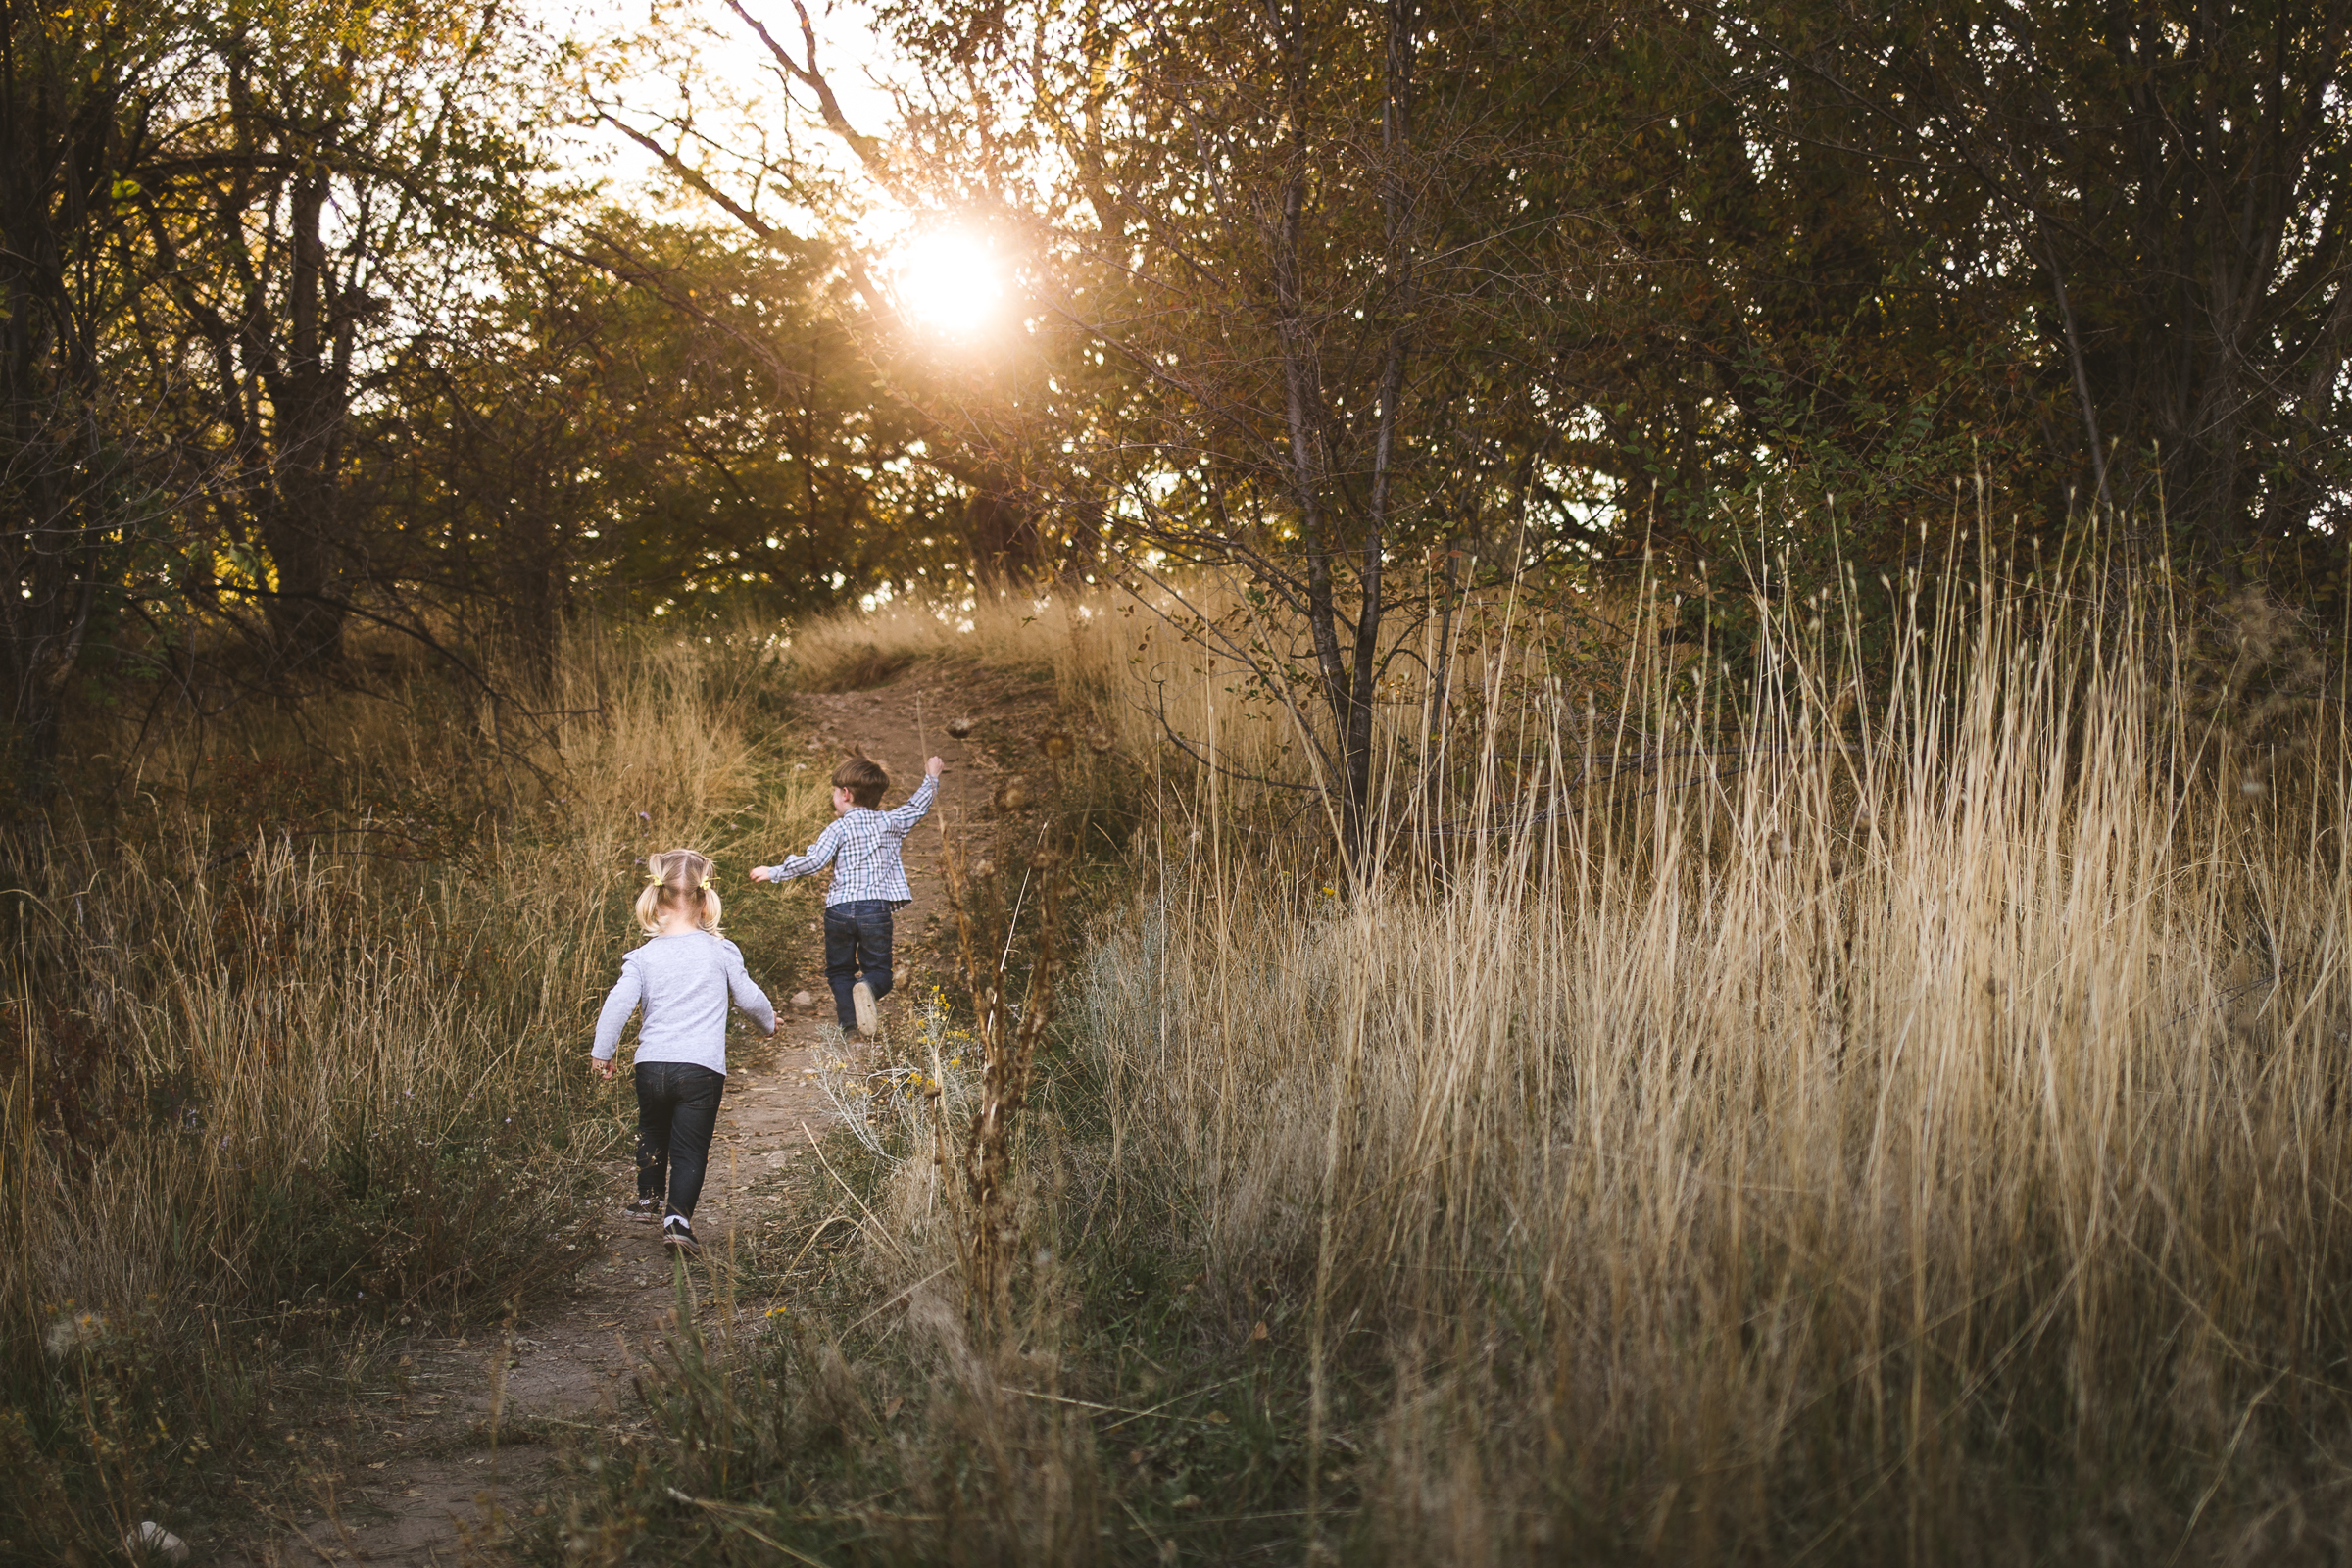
{"x":869,"y":882}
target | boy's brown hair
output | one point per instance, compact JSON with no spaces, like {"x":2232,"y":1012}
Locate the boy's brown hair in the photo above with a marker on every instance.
{"x":863,"y":776}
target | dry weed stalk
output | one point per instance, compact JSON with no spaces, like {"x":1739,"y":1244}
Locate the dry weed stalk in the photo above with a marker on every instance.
{"x":1008,"y":1037}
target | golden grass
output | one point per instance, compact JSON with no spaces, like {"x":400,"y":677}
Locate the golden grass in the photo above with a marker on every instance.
{"x":1886,"y":1107}
{"x":300,"y":1051}
{"x":1921,"y":1138}
{"x":853,"y":649}
{"x":1188,"y":671}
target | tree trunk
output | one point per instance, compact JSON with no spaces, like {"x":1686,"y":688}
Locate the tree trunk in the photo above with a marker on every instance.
{"x":60,"y":150}
{"x":299,"y":518}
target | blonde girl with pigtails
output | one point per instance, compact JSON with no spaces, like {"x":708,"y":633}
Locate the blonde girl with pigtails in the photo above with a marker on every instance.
{"x":683,"y":977}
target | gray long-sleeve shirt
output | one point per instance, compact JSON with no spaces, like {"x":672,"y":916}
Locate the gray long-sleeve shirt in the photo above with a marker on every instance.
{"x":684,"y":981}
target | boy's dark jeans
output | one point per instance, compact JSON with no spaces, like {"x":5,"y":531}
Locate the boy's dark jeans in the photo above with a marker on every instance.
{"x":678,"y":1106}
{"x":857,"y":948}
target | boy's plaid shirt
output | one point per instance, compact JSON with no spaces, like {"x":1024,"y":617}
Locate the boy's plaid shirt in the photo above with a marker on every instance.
{"x":863,"y":847}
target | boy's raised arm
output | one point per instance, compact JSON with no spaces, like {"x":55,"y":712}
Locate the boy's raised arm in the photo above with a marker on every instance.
{"x":918,"y":804}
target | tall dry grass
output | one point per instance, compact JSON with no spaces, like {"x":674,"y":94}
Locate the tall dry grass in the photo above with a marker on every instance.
{"x":1877,"y":1112}
{"x":1190,"y":678}
{"x":875,"y":1413}
{"x":294,"y":1054}
{"x":1005,"y":629}
{"x":1870,"y":1093}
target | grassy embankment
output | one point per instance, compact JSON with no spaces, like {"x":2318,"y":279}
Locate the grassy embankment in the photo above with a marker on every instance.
{"x":1798,"y":1129}
{"x":292,"y":1027}
{"x":1886,"y":1111}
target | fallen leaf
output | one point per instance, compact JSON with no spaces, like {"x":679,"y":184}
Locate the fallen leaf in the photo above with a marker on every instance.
{"x":1259,"y":1332}
{"x":379,"y":1464}
{"x":898,"y":1402}
{"x":1217,"y":1418}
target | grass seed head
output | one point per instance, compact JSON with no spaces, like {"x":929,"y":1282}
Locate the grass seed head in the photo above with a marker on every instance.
{"x":72,"y":1331}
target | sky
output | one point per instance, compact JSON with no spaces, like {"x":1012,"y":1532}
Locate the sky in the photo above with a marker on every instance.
{"x":943,"y":277}
{"x":730,"y":63}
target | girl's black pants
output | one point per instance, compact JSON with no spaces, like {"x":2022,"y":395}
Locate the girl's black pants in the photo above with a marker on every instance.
{"x":677,"y":1106}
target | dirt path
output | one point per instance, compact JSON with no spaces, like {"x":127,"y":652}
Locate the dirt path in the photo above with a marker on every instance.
{"x":437,"y":1466}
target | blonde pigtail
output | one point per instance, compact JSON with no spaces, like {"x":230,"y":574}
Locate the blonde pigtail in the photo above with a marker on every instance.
{"x":673,"y":875}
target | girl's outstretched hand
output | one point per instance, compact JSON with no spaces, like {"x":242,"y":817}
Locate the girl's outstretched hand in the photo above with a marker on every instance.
{"x":935,"y":766}
{"x":760,"y":873}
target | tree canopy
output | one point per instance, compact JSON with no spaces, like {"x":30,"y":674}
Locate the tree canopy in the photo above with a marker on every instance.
{"x":315,"y":315}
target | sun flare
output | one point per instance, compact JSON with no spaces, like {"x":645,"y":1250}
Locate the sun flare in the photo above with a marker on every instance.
{"x":948,"y":280}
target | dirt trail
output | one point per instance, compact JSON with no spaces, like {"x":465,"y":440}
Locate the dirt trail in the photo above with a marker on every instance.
{"x":438,"y":1468}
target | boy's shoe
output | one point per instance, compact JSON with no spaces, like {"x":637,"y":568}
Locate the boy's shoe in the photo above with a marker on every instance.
{"x":644,"y":1209}
{"x":678,"y":1236}
{"x":870,"y":1016}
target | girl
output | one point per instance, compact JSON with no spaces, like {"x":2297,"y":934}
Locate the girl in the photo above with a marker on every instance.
{"x":683,"y":975}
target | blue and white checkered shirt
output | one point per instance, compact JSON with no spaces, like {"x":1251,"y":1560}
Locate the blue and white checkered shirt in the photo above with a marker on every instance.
{"x":862,"y":848}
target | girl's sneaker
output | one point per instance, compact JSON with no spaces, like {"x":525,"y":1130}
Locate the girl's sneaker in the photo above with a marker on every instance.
{"x":644,"y":1209}
{"x":679,"y":1235}
{"x":870,"y":1016}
